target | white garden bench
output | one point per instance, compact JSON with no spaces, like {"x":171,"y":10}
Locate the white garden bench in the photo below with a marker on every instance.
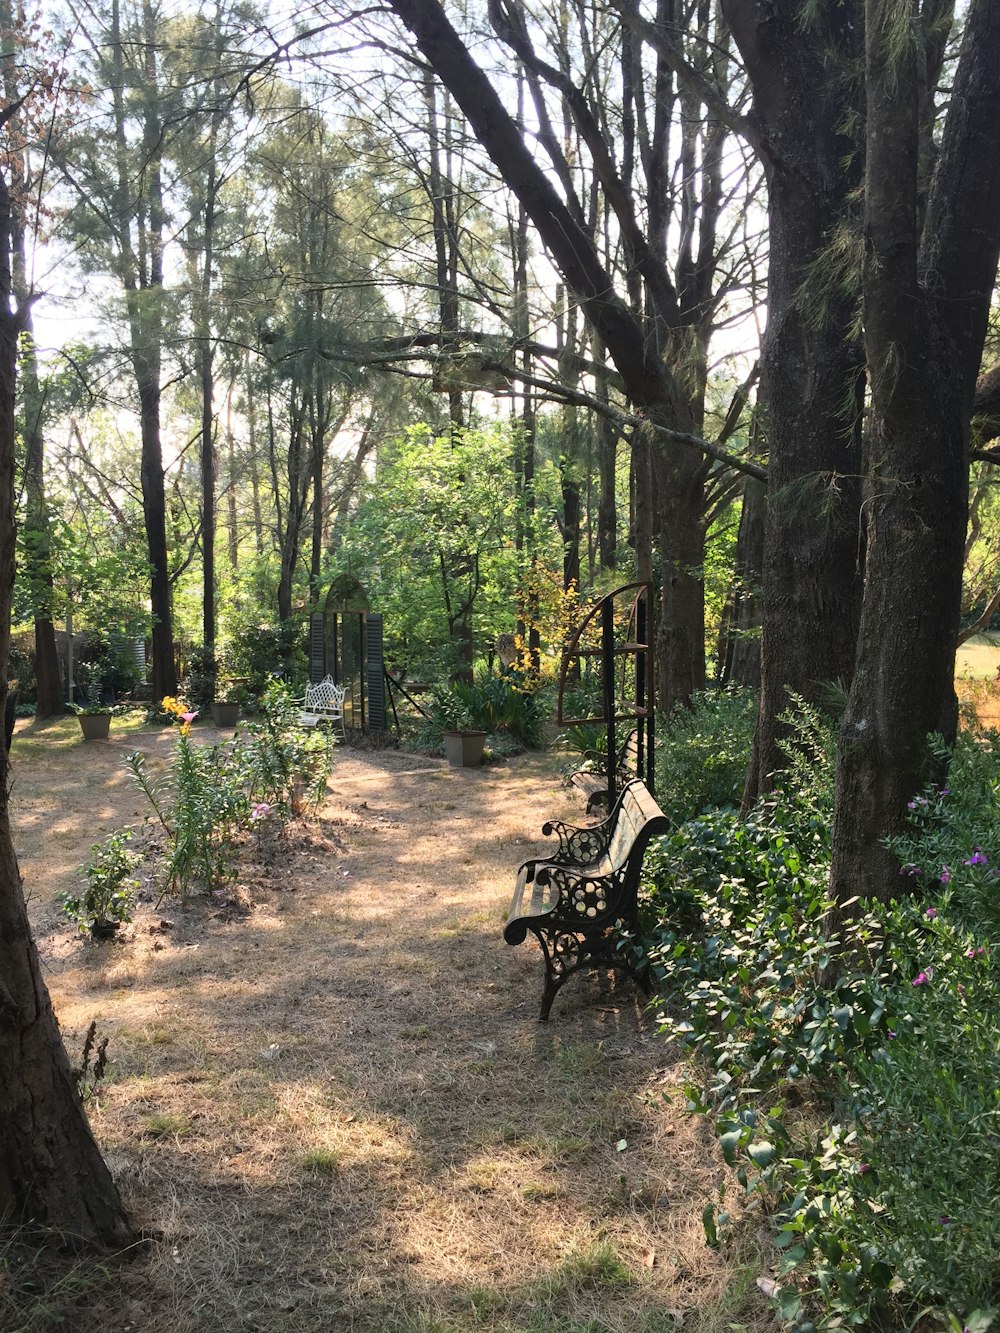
{"x":324,"y":702}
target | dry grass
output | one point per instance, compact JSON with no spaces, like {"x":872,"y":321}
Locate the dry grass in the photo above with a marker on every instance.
{"x":335,"y":1109}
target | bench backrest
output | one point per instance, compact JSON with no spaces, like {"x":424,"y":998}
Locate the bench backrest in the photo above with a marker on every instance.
{"x":636,"y":818}
{"x":325,"y":694}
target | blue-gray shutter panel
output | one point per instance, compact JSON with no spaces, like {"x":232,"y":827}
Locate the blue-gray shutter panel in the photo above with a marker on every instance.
{"x":317,"y":656}
{"x":375,"y":668}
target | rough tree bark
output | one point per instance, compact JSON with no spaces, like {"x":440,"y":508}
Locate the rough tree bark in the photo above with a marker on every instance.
{"x":804,"y":108}
{"x":926,"y":302}
{"x":37,"y":534}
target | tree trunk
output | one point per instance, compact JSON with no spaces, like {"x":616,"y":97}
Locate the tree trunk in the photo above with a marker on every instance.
{"x":37,"y":536}
{"x":207,"y":483}
{"x":154,"y":510}
{"x":680,"y":634}
{"x":52,"y":1176}
{"x":739,"y":637}
{"x":926,"y":304}
{"x":37,"y":540}
{"x":812,"y":373}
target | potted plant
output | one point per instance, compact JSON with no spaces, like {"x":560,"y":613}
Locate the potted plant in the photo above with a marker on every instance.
{"x":225,"y":712}
{"x":463,"y":741}
{"x":106,"y":903}
{"x":464,"y":749}
{"x":95,"y":720}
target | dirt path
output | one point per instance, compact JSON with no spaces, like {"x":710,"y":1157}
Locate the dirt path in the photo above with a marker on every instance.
{"x":338,"y":1110}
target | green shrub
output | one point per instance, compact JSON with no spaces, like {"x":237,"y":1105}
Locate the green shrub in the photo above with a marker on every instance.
{"x":111,"y":887}
{"x":505,"y":705}
{"x":257,"y":654}
{"x":702,"y":750}
{"x":890,"y":1208}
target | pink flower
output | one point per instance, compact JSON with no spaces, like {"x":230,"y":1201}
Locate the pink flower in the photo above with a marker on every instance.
{"x":921,"y":979}
{"x":945,"y":875}
{"x":261,"y":810}
{"x":863,"y":1168}
{"x":189,"y":717}
{"x":931,"y":913}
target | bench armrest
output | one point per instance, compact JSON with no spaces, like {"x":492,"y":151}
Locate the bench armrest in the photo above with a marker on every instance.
{"x":579,"y":846}
{"x":582,"y":898}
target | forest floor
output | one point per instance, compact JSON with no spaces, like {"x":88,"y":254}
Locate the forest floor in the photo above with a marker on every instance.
{"x":330,"y":1105}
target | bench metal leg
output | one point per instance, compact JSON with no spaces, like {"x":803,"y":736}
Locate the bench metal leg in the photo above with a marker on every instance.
{"x":565,"y":954}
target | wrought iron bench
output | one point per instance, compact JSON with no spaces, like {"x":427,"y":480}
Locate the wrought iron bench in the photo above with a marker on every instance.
{"x":323,"y":702}
{"x":581,"y":902}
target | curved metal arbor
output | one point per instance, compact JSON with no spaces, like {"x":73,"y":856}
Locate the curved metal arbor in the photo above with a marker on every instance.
{"x":617,"y":632}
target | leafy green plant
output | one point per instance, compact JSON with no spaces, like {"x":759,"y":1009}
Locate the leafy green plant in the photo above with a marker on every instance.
{"x":589,"y":742}
{"x":257,"y":654}
{"x":198,"y":806}
{"x":451,"y":710}
{"x":285,"y":765}
{"x":92,"y":710}
{"x":106,"y":902}
{"x":505,"y":704}
{"x":887,"y":1210}
{"x":214,"y":791}
{"x":701,"y":752}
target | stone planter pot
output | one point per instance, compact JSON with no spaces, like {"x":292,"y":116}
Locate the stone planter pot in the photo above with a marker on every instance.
{"x":225,"y":714}
{"x":464,"y":749}
{"x":95,"y":726}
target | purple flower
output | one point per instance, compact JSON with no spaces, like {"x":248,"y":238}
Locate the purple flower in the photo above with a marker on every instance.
{"x":261,"y":810}
{"x":931,"y":913}
{"x":863,"y":1168}
{"x":977,"y":858}
{"x":944,"y":791}
{"x":890,"y":1034}
{"x":922,"y":978}
{"x":945,"y":875}
{"x":944,"y":1220}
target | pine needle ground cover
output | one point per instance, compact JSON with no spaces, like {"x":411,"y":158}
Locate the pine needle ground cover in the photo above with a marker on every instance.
{"x":328,"y":1101}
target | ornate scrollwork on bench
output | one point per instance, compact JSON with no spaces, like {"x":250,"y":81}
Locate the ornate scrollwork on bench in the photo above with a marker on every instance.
{"x":580,"y":845}
{"x":581,"y":903}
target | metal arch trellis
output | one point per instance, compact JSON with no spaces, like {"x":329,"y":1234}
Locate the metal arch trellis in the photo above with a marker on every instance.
{"x":636,"y":646}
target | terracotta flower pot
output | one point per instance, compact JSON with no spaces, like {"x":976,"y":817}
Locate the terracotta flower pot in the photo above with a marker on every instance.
{"x":464,"y":749}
